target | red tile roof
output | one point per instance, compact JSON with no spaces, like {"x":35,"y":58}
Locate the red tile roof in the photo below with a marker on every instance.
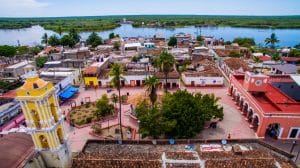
{"x":274,"y":100}
{"x":16,"y":149}
{"x":291,"y":58}
{"x":9,"y":95}
{"x":265,"y":58}
{"x":91,"y":70}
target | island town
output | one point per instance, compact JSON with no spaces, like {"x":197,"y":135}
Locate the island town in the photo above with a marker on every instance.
{"x":184,"y":101}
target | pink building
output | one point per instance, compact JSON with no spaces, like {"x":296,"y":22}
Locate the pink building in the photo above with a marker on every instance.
{"x":271,"y":104}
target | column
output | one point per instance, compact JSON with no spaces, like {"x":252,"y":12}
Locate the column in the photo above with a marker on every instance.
{"x":56,"y":105}
{"x":42,"y":117}
{"x":55,"y":138}
{"x":27,"y":116}
{"x":50,"y":140}
{"x":44,"y":109}
{"x":36,"y":145}
{"x":49,"y":109}
{"x":35,"y":136}
{"x":29,"y":113}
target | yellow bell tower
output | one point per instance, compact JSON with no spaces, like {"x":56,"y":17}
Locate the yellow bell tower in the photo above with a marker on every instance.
{"x":44,"y":121}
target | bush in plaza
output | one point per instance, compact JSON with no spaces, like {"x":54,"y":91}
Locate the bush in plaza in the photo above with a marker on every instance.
{"x":103,"y":106}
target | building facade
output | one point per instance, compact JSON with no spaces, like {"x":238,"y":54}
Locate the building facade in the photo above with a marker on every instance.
{"x":271,"y":104}
{"x":44,"y":121}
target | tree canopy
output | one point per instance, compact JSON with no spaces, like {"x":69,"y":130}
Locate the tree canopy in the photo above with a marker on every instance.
{"x":67,"y":40}
{"x":272,"y":40}
{"x":94,"y":39}
{"x":7,"y":51}
{"x":165,"y":62}
{"x":74,"y":35}
{"x":103,"y":106}
{"x":54,"y":40}
{"x":40,"y":61}
{"x":180,"y":115}
{"x":172,"y":42}
{"x":294,"y":53}
{"x":244,"y":42}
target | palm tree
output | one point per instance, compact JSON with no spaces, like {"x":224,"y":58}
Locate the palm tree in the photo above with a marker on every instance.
{"x":257,"y":60}
{"x":272,"y":40}
{"x":45,"y":39}
{"x":152,"y":83}
{"x":165,"y":62}
{"x":114,"y":99}
{"x":117,"y":74}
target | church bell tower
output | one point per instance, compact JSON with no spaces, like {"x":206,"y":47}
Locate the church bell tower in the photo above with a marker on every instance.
{"x":44,"y":121}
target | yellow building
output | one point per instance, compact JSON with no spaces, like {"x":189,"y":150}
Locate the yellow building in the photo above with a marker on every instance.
{"x":44,"y":121}
{"x":90,"y":76}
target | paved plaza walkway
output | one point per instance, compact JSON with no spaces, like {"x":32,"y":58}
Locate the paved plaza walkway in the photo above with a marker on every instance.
{"x":232,"y":123}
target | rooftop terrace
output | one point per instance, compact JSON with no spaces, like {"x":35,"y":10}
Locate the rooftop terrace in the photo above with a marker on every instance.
{"x":273,"y":100}
{"x":185,"y":153}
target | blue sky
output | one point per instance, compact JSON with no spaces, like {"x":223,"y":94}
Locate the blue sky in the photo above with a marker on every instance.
{"x":45,"y":8}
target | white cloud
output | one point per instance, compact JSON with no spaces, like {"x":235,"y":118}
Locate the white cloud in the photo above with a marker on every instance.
{"x":20,"y":7}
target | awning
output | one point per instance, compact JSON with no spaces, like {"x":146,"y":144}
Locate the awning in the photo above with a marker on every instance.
{"x":68,"y":93}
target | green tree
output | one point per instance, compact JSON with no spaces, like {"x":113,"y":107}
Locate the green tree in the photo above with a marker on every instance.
{"x":54,"y":40}
{"x":116,"y":45}
{"x":151,"y":84}
{"x":40,"y":61}
{"x":297,"y":46}
{"x":111,"y":35}
{"x":66,"y":40}
{"x":165,"y":62}
{"x":172,"y":42}
{"x":45,"y":39}
{"x":234,"y":54}
{"x":7,"y":51}
{"x":94,"y":39}
{"x":245,"y":42}
{"x":152,"y":123}
{"x":294,"y":53}
{"x":117,"y":75}
{"x":22,"y":50}
{"x":103,"y":107}
{"x":272,"y":40}
{"x":35,"y":50}
{"x":227,"y":43}
{"x":135,"y":59}
{"x":74,"y":35}
{"x":190,"y":111}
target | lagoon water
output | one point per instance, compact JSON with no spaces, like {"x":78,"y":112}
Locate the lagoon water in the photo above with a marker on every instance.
{"x":32,"y":36}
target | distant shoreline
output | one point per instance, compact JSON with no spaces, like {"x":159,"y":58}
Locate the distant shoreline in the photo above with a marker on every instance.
{"x":103,"y":23}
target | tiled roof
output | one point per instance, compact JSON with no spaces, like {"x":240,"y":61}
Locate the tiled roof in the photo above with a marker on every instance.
{"x":237,"y":63}
{"x":15,"y":149}
{"x":171,"y":75}
{"x":213,"y":72}
{"x":90,"y":70}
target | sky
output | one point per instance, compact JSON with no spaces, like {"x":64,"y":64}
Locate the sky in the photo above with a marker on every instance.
{"x":55,"y":8}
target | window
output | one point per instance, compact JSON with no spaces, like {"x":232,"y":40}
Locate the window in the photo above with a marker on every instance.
{"x":293,"y":133}
{"x":258,"y":82}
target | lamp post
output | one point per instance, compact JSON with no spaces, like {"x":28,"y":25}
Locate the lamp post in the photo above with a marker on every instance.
{"x":139,"y":130}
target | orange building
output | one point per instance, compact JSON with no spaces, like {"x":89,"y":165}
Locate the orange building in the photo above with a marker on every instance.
{"x":271,"y":104}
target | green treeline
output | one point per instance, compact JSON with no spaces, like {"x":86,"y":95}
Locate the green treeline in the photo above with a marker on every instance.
{"x":98,"y":23}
